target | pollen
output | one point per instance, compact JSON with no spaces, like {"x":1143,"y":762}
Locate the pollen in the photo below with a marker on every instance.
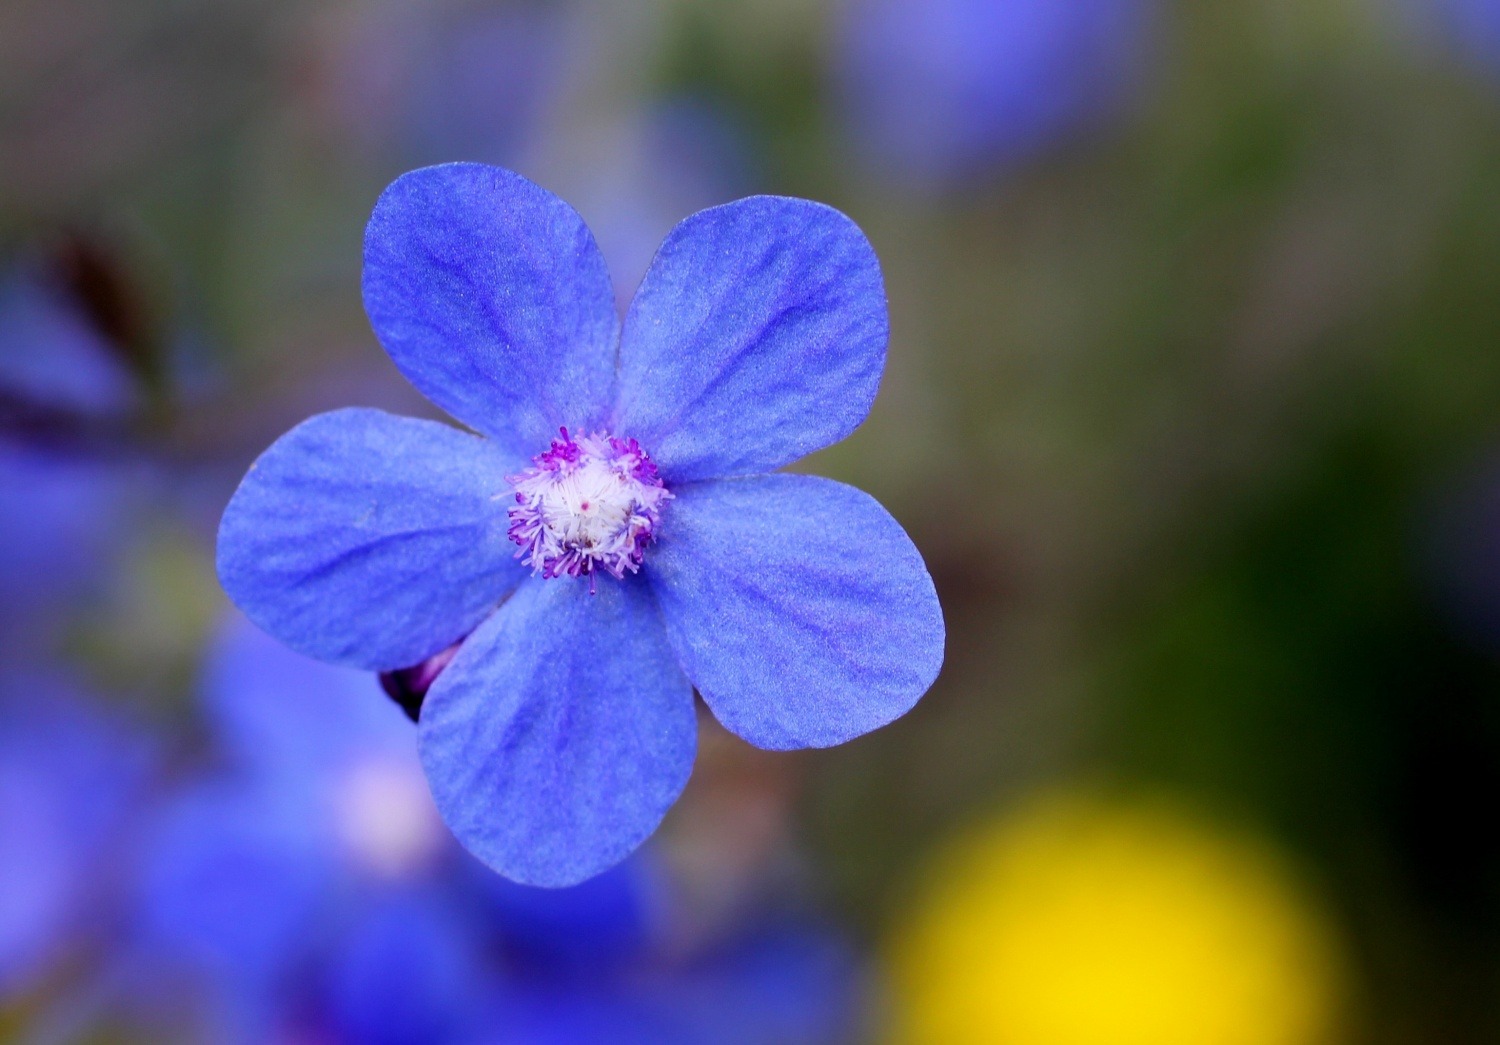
{"x":587,"y":503}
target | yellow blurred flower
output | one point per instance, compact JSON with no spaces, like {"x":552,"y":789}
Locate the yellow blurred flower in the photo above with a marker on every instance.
{"x":1085,"y":921}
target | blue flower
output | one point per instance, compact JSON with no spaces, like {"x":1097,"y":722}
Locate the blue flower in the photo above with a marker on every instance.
{"x":945,"y":90}
{"x":629,"y":463}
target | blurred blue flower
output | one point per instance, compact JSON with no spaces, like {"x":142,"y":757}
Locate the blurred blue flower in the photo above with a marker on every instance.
{"x":307,"y":891}
{"x":609,"y":923}
{"x":311,"y":875}
{"x":949,"y":90}
{"x":564,"y":727}
{"x":71,"y":775}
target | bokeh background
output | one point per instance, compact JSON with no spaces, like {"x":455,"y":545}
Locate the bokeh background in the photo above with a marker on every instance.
{"x":1192,"y":405}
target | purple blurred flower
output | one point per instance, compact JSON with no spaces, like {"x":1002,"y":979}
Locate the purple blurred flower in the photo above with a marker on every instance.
{"x":944,"y":90}
{"x":71,"y":775}
{"x":564,"y":727}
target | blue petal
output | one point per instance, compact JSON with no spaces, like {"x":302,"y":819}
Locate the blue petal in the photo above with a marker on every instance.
{"x":235,"y":883}
{"x":370,"y":540}
{"x":294,"y":718}
{"x":492,"y":298}
{"x":757,"y":336}
{"x":561,"y":733}
{"x":798,"y":607}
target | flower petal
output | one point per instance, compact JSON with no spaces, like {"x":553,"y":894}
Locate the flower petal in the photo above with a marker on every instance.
{"x":235,"y":879}
{"x":757,"y":336}
{"x":562,"y":731}
{"x":798,"y":607}
{"x":492,"y":298}
{"x":368,"y":539}
{"x":279,"y":713}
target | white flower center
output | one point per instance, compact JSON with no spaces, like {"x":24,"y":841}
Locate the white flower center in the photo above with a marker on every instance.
{"x":587,"y":507}
{"x":586,"y":504}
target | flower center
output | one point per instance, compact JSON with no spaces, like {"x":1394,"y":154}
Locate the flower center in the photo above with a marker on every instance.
{"x":587,"y":504}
